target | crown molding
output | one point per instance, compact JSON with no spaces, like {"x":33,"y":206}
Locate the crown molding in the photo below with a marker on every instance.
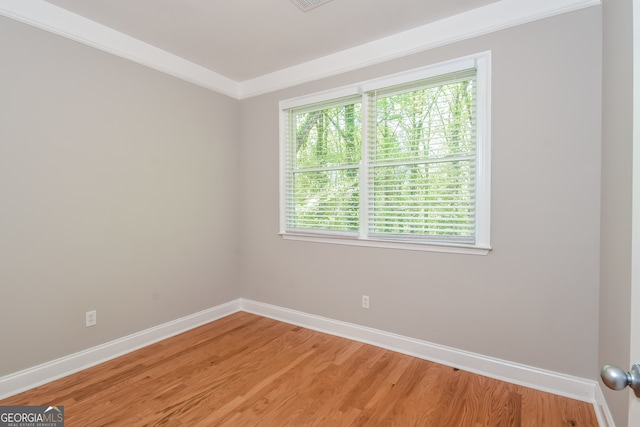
{"x":493,"y":17}
{"x":57,"y":20}
{"x":484,"y":20}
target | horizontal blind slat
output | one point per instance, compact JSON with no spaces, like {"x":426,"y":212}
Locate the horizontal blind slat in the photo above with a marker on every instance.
{"x":422,"y":171}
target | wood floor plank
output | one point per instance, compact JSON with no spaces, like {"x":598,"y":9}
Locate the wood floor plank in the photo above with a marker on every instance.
{"x":247,"y":370}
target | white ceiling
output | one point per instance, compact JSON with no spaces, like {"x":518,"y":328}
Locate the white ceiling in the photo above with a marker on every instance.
{"x":243,"y":48}
{"x":244,"y":39}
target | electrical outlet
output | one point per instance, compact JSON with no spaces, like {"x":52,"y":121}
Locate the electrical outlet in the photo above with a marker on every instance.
{"x":365,"y":301}
{"x":91,"y":318}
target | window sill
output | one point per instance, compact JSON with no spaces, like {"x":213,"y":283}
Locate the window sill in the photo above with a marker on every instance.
{"x":388,"y":244}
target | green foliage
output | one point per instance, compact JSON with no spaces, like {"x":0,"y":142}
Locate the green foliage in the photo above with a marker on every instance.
{"x":326,"y":181}
{"x":421,"y":164}
{"x":327,"y":200}
{"x":424,"y":162}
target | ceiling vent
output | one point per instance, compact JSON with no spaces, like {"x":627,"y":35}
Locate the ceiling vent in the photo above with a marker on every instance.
{"x":307,"y":5}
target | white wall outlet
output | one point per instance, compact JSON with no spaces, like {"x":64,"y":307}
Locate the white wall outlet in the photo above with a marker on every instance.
{"x":365,"y":301}
{"x":91,"y":318}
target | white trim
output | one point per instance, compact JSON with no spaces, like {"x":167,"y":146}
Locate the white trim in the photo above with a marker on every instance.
{"x":282,"y":168}
{"x":32,"y":377}
{"x":314,"y":98}
{"x":634,"y":329}
{"x":484,"y":20}
{"x":387,"y":244}
{"x":493,"y":17}
{"x":605,"y":418}
{"x":539,"y":379}
{"x":57,"y":20}
{"x":528,"y":376}
{"x":426,"y":72}
{"x":482,"y":62}
{"x":484,"y":125}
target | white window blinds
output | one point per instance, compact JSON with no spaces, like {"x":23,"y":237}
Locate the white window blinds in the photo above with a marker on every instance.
{"x":402,"y":161}
{"x":323,"y":166}
{"x":422,"y":159}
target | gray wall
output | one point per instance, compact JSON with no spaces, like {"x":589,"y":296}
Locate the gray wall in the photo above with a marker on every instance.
{"x":114,"y":196}
{"x":534,"y":299}
{"x":617,"y":152}
{"x":114,"y":182}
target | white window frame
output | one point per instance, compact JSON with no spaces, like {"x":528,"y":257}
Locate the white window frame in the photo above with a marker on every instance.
{"x":482,"y":246}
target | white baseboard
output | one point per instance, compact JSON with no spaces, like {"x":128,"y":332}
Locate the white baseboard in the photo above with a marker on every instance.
{"x":605,"y":418}
{"x":539,"y":379}
{"x":32,"y":377}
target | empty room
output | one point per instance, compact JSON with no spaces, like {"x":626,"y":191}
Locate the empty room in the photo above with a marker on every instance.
{"x":329,"y":213}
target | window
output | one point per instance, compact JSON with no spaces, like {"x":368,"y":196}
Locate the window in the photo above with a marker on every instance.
{"x":402,"y":161}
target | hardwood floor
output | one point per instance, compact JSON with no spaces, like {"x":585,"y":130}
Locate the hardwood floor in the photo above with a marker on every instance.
{"x":247,"y":370}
